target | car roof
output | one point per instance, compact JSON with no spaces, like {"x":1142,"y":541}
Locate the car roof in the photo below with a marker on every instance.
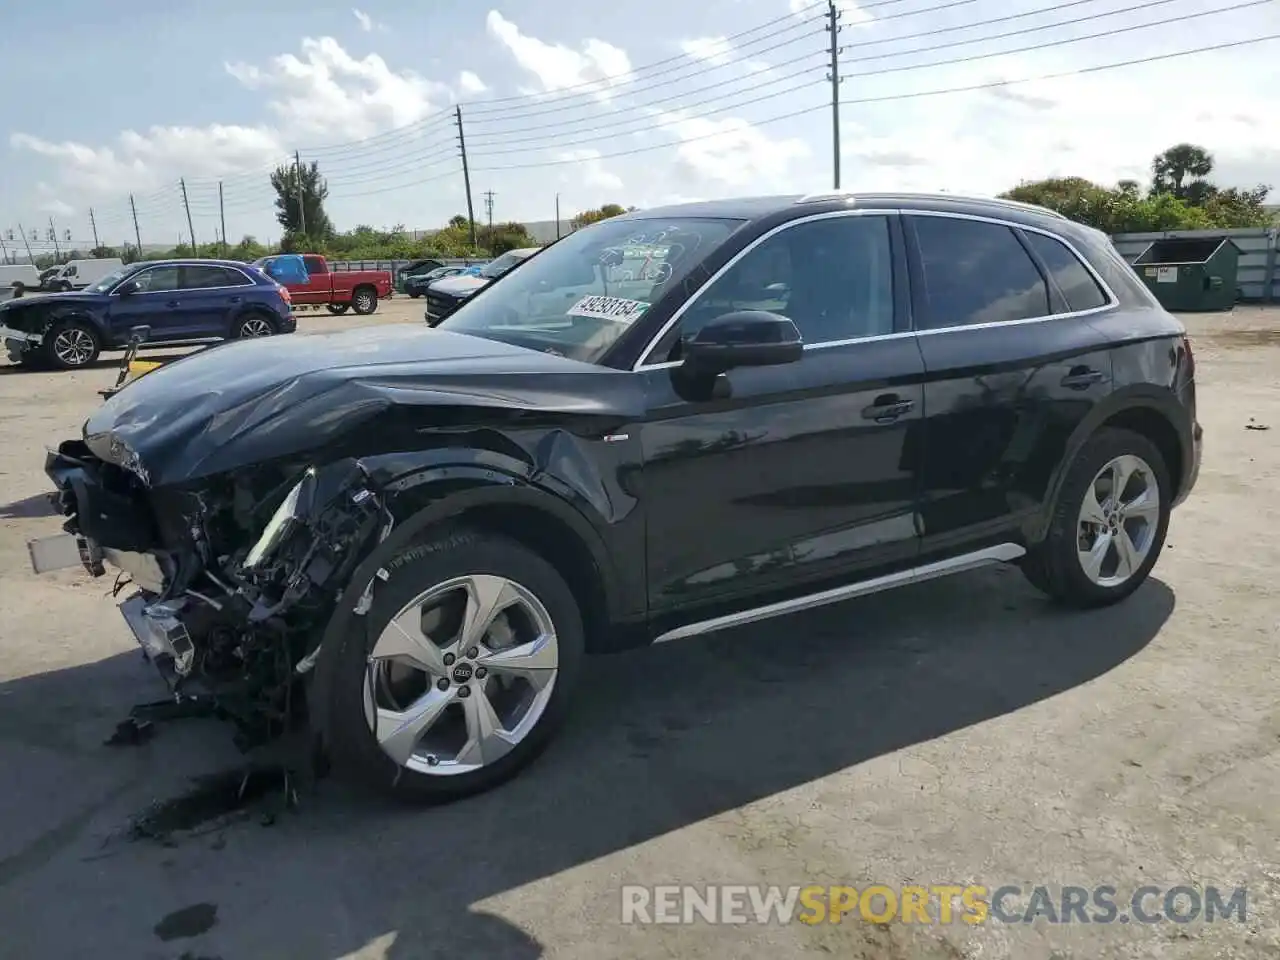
{"x":191,"y":262}
{"x":787,"y":206}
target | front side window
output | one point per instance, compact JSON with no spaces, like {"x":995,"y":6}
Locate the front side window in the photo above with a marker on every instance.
{"x":977,"y":272}
{"x":157,"y":279}
{"x":833,"y":278}
{"x":579,"y":295}
{"x":1076,"y":283}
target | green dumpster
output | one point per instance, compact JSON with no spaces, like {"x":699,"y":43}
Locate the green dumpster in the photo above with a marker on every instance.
{"x":1191,"y":274}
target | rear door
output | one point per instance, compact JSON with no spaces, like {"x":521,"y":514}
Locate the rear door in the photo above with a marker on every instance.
{"x":1012,"y":366}
{"x":211,"y":296}
{"x":797,"y":475}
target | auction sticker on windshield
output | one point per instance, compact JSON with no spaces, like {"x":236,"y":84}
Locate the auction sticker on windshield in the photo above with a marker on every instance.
{"x":617,"y":309}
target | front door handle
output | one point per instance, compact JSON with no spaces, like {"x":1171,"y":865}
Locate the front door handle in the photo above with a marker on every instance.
{"x":888,"y":408}
{"x":171,"y":303}
{"x":1081,"y":378}
{"x":236,"y":299}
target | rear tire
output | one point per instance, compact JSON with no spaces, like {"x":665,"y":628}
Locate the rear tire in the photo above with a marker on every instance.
{"x":337,"y":309}
{"x":255,"y":324}
{"x":364,"y":300}
{"x":438,"y":587}
{"x":415,"y":294}
{"x":71,"y":345}
{"x":1103,"y":542}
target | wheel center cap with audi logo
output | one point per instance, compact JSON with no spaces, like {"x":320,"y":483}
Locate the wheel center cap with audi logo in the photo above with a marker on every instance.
{"x":463,"y":672}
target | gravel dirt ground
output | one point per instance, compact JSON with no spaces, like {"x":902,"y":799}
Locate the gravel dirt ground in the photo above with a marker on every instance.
{"x":961,"y":731}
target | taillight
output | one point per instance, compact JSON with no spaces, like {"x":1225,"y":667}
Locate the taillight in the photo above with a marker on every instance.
{"x":285,"y":295}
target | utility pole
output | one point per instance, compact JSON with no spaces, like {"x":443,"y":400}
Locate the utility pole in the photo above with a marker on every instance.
{"x":137,"y":234}
{"x":488,"y":206}
{"x":833,"y":28}
{"x":222,"y":215}
{"x":94,"y":224}
{"x":557,"y":216}
{"x":53,"y":235}
{"x":190,"y":229}
{"x":297,"y":176}
{"x":4,"y":250}
{"x":466,"y":174}
{"x":26,"y":242}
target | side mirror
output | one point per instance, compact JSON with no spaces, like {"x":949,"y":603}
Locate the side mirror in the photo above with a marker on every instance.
{"x":128,"y":287}
{"x":744,"y":338}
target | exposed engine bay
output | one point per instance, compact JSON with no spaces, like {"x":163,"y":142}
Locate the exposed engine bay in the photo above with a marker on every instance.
{"x":228,"y":585}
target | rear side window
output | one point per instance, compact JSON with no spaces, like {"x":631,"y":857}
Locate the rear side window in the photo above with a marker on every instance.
{"x":977,"y":272}
{"x":1076,"y":283}
{"x":203,"y":277}
{"x":315,"y":265}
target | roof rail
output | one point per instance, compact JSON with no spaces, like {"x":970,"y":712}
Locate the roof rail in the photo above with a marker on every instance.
{"x":961,"y":197}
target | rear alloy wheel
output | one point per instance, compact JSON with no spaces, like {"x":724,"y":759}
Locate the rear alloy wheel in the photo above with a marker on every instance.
{"x":254,"y":325}
{"x":364,"y":301}
{"x":71,"y":345}
{"x":459,"y":684}
{"x":1109,"y":524}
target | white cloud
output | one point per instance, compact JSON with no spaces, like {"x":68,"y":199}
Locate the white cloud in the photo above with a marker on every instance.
{"x":732,"y":152}
{"x":324,"y":93}
{"x":366,"y":21}
{"x":469,"y":82}
{"x":597,"y":66}
{"x":589,"y":171}
{"x":715,"y":50}
{"x":328,"y":90}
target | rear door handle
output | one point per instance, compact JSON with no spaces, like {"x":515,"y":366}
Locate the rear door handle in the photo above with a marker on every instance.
{"x":236,"y":299}
{"x":1081,"y":378}
{"x":888,"y":408}
{"x":171,"y":303}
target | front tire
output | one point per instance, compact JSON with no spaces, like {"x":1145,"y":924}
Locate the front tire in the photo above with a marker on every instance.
{"x":71,"y":345}
{"x":461,"y":674}
{"x":364,"y":300}
{"x":1109,"y":522}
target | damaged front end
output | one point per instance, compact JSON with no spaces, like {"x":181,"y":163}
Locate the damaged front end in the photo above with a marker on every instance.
{"x":233,"y":579}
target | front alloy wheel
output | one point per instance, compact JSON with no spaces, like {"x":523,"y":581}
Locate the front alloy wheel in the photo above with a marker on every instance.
{"x":464,"y":671}
{"x":1119,"y":516}
{"x":461,"y":675}
{"x":71,"y":345}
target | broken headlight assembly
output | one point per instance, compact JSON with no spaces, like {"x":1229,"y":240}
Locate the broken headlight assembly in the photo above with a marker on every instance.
{"x":295,"y":508}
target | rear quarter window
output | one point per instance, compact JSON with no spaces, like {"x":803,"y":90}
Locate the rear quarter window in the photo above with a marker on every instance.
{"x":1077,"y":284}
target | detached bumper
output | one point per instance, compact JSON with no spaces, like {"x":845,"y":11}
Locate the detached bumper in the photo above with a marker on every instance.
{"x":18,"y":342}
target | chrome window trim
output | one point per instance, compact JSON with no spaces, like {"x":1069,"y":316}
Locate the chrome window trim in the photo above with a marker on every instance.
{"x":684,"y":307}
{"x":1112,"y":300}
{"x":147,"y":293}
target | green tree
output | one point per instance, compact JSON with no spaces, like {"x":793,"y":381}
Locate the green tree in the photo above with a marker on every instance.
{"x":300,"y":196}
{"x":587,"y":217}
{"x":1182,"y":171}
{"x":502,"y":237}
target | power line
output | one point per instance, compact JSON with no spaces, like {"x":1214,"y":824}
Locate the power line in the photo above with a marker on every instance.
{"x":887,"y":98}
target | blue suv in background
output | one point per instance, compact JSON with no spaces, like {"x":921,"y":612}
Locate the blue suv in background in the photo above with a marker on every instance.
{"x":179,"y":301}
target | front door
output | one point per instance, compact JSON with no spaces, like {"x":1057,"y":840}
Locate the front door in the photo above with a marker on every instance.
{"x":797,"y":475}
{"x":156,"y":303}
{"x":1013,"y":365}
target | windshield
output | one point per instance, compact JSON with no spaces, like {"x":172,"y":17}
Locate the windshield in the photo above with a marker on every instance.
{"x":579,"y":295}
{"x":109,"y":281}
{"x":496,"y":268}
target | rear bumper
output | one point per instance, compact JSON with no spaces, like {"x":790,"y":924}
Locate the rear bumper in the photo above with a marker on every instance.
{"x":1191,"y":463}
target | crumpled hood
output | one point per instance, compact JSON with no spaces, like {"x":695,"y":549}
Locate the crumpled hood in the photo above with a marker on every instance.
{"x":31,"y":301}
{"x":249,"y":401}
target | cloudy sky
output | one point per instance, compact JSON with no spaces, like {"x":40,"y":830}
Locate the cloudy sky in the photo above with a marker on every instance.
{"x":633,"y":103}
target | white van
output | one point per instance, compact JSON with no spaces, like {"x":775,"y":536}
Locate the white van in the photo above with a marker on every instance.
{"x":78,"y":274}
{"x":23,"y":273}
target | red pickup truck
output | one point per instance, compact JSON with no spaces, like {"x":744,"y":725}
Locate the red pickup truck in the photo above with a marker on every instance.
{"x":359,"y":290}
